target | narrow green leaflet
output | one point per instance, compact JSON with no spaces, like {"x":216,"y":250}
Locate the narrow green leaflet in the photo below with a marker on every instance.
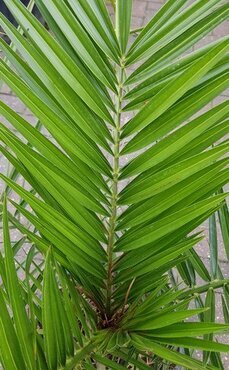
{"x":185,"y":190}
{"x":203,"y":142}
{"x":59,"y":59}
{"x":199,"y":193}
{"x":171,"y":93}
{"x":189,"y":329}
{"x":225,"y":310}
{"x":174,"y":357}
{"x":57,"y":333}
{"x":149,"y":307}
{"x":223,"y":220}
{"x":123,"y":19}
{"x":33,"y":160}
{"x":155,"y":282}
{"x":11,"y":354}
{"x":156,"y":261}
{"x":180,"y":44}
{"x":213,"y":245}
{"x":195,"y":343}
{"x":194,"y":147}
{"x":146,"y":184}
{"x":54,"y":154}
{"x":180,"y":23}
{"x":64,"y":246}
{"x":178,"y":113}
{"x":167,"y":147}
{"x":95,"y":18}
{"x":14,"y":171}
{"x":60,"y":37}
{"x":76,"y":315}
{"x":168,"y":224}
{"x":80,"y":41}
{"x":60,"y":198}
{"x":22,"y":324}
{"x":198,"y":265}
{"x":165,"y":13}
{"x":35,"y":185}
{"x":158,"y":80}
{"x":50,"y":323}
{"x":69,"y":229}
{"x":209,"y":316}
{"x":80,"y":114}
{"x":69,"y":138}
{"x":137,"y":256}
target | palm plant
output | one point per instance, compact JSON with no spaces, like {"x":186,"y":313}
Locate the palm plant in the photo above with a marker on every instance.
{"x":111,"y":234}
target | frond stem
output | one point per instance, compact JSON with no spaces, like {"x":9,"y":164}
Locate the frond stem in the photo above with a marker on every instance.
{"x":114,"y":196}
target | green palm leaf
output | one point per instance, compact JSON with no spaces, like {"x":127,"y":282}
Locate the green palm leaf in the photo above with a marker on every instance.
{"x":104,"y":273}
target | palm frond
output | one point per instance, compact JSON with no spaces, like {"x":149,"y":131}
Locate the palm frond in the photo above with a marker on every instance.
{"x":110,"y":277}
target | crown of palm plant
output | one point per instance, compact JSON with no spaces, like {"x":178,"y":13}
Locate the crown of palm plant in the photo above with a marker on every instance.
{"x":104,"y":297}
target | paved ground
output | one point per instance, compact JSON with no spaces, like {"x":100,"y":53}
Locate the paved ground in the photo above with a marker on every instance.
{"x":143,"y":11}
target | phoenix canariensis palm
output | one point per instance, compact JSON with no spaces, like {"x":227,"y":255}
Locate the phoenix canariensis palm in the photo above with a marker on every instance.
{"x":111,"y":233}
